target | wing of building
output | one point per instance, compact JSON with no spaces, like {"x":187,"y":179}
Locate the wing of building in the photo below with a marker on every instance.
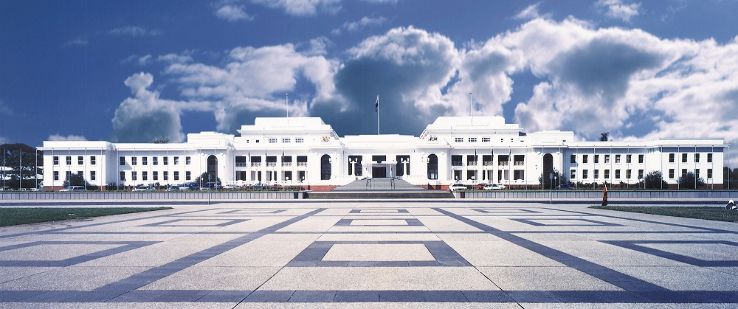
{"x":305,"y":151}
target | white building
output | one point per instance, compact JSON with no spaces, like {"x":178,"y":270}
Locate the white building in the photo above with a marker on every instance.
{"x":307,"y":152}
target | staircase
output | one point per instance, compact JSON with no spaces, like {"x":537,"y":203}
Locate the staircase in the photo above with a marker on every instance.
{"x":380,"y":188}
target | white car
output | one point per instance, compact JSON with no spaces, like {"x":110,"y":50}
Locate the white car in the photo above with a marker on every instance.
{"x":494,"y":187}
{"x":457,"y":187}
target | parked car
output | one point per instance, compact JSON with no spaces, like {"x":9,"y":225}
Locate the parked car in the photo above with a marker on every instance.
{"x":73,"y":188}
{"x":494,"y":187}
{"x":457,"y":187}
{"x":142,"y":188}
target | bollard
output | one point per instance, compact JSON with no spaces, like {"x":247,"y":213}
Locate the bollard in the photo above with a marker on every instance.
{"x":604,"y":196}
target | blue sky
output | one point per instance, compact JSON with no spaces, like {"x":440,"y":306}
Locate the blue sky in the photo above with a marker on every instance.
{"x":138,"y":70}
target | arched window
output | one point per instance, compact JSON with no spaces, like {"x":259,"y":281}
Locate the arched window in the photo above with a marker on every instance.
{"x":433,"y":167}
{"x":213,"y":167}
{"x":325,"y":167}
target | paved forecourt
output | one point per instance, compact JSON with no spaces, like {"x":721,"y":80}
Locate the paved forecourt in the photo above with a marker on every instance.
{"x":416,"y":254}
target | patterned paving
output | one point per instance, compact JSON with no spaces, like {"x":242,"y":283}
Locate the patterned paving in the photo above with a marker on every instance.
{"x":372,"y":254}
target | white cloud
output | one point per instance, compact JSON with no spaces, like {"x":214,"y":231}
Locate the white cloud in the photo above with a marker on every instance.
{"x":77,"y":42}
{"x":618,"y":9}
{"x":529,"y":12}
{"x":303,"y":7}
{"x":253,"y":81}
{"x":360,"y":24}
{"x":4,"y":140}
{"x":133,"y":31}
{"x":145,"y":117}
{"x":71,"y":137}
{"x":233,"y":13}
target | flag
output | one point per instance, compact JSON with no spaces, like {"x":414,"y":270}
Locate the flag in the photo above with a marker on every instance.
{"x":376,"y":105}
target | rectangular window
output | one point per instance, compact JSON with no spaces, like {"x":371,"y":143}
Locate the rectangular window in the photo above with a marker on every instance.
{"x":596,"y":174}
{"x":607,"y":158}
{"x":154,"y":160}
{"x":80,"y":160}
{"x":92,"y":175}
{"x":155,"y":175}
{"x":176,"y":161}
{"x":122,"y":176}
{"x":628,"y":174}
{"x":709,"y":157}
{"x":585,"y":174}
{"x":69,"y":160}
{"x":472,"y":139}
{"x":573,"y":159}
{"x":272,"y":140}
{"x":144,"y":160}
{"x":134,"y":176}
{"x":597,"y":160}
{"x":299,"y":140}
{"x":671,"y":158}
{"x":617,"y":174}
{"x":607,"y":174}
{"x":617,"y":158}
{"x":697,"y":173}
{"x":684,"y":157}
{"x":671,"y":173}
{"x":684,"y":172}
{"x":286,"y":140}
{"x":176,"y":175}
{"x":696,"y":157}
{"x":485,"y":139}
{"x":93,"y":160}
{"x":188,"y":160}
{"x":134,"y":160}
{"x":584,"y":159}
{"x":188,"y":175}
{"x":640,"y":158}
{"x":628,"y":159}
{"x":640,"y":174}
{"x":709,"y":173}
{"x":573,"y":174}
{"x":122,"y":160}
{"x":165,"y":175}
{"x":458,"y":139}
{"x":56,"y":160}
{"x":145,"y":176}
{"x":56,"y":175}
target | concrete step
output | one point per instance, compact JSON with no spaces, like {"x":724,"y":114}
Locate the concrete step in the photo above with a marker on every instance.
{"x":424,"y":194}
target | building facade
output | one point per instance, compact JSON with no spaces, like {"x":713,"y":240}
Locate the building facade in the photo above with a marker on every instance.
{"x":305,"y":151}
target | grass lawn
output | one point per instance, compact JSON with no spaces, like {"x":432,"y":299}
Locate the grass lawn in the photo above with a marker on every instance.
{"x":707,"y":213}
{"x":16,"y":216}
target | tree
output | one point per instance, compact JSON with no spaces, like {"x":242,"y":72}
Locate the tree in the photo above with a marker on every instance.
{"x":604,"y":136}
{"x":207,"y":177}
{"x":687,"y":181}
{"x":76,"y":180}
{"x":559,"y":181}
{"x":654,"y":180}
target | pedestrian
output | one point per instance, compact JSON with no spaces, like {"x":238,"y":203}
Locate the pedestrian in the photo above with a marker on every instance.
{"x":604,"y":196}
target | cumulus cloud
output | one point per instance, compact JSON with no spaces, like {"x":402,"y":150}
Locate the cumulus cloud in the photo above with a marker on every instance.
{"x":133,"y":31}
{"x":253,"y":82}
{"x":144,"y":117}
{"x":71,"y":137}
{"x":77,"y":42}
{"x":233,"y":13}
{"x":360,"y":24}
{"x":618,"y":9}
{"x":303,"y":7}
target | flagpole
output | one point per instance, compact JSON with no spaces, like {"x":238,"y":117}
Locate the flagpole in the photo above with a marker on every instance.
{"x":377,"y":106}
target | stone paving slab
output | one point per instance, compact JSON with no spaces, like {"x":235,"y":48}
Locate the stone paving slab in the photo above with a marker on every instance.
{"x":372,"y":254}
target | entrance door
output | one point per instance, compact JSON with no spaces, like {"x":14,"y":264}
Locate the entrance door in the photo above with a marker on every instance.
{"x":379,"y":172}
